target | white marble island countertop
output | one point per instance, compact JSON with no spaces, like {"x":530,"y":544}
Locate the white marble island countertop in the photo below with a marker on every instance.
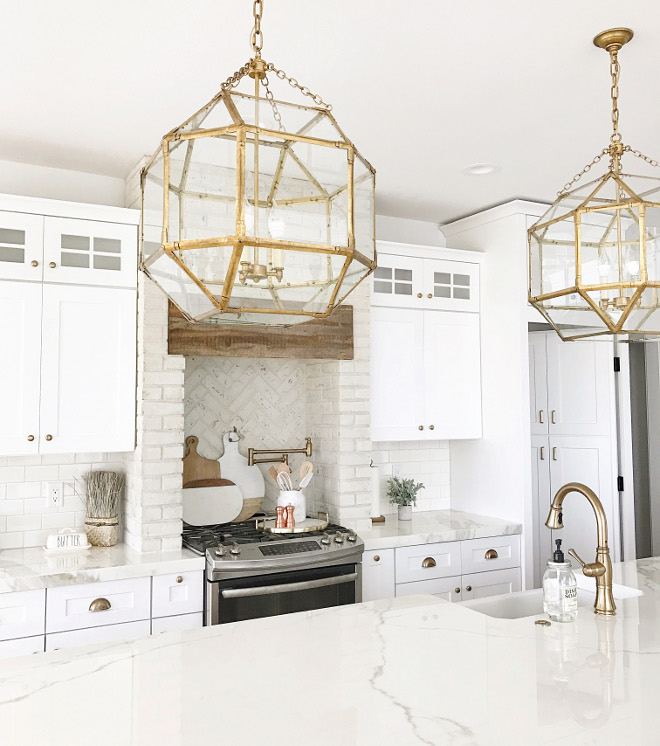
{"x":435,"y":526}
{"x":33,"y":568}
{"x":413,"y":670}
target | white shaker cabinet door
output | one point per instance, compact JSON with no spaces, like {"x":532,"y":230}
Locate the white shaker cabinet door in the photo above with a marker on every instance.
{"x":538,"y":386}
{"x":541,"y":500}
{"x":88,"y":252}
{"x":450,"y":285}
{"x":378,"y":574}
{"x":88,"y":369}
{"x":452,"y":373}
{"x":494,"y":583}
{"x":20,"y":340}
{"x":21,"y":246}
{"x":580,"y":386}
{"x":398,"y":282}
{"x":397,"y":373}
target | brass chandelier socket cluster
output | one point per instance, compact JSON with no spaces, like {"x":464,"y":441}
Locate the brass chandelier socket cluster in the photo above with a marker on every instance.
{"x":266,"y":208}
{"x":594,"y":256}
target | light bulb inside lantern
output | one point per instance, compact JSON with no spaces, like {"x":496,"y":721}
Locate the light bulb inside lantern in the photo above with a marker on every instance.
{"x":604,"y":265}
{"x":631,"y":263}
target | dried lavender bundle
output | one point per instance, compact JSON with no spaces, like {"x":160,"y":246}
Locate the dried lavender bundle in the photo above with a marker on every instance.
{"x":103,"y":490}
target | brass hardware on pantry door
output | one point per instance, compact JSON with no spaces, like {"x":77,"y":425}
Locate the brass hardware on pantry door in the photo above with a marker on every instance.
{"x":431,"y":427}
{"x":377,"y":558}
{"x":457,"y":590}
{"x":49,"y":437}
{"x":492,"y":554}
{"x":554,"y":453}
{"x":30,"y":438}
{"x":541,"y":416}
{"x":179,"y":579}
{"x":52,"y":265}
{"x":553,"y":417}
{"x":428,"y":562}
{"x":34,"y":263}
{"x":430,"y":295}
{"x":468,"y":588}
{"x":421,"y":427}
{"x":542,"y":449}
{"x":99,"y":604}
{"x":419,"y":295}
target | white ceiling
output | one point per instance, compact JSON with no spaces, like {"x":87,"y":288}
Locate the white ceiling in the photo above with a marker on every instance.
{"x":423,"y":87}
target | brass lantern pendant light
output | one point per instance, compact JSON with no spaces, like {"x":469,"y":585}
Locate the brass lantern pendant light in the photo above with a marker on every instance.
{"x":265,"y":207}
{"x":593,"y":256}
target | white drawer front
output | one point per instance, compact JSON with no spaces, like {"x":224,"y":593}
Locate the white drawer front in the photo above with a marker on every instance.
{"x":111,"y":633}
{"x":182,"y":593}
{"x":427,"y":561}
{"x":22,"y":614}
{"x":182,"y":621}
{"x":448,"y":588}
{"x":492,"y":553}
{"x":485,"y":584}
{"x":22,"y":646}
{"x":69,"y":607}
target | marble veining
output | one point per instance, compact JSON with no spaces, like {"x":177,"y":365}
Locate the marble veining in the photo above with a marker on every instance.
{"x":435,"y":526}
{"x":412,"y":670}
{"x":32,"y":568}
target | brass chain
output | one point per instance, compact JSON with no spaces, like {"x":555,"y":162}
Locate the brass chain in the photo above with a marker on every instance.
{"x":257,"y":38}
{"x":295,"y":84}
{"x":233,"y":80}
{"x":271,"y":100}
{"x":615,"y":72}
{"x":639,"y":154}
{"x":579,"y":175}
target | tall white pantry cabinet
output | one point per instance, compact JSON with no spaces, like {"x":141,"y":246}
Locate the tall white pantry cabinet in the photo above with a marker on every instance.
{"x":68,"y":285}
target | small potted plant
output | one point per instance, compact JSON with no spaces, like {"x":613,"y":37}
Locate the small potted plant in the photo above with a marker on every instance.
{"x":403,"y":492}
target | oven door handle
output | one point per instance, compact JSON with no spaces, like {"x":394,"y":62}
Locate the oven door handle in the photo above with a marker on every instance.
{"x":307,"y":585}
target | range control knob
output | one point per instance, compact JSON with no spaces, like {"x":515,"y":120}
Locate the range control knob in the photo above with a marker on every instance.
{"x":325,"y":539}
{"x":339,"y":537}
{"x":235,"y":549}
{"x":352,"y":536}
{"x":220,"y":551}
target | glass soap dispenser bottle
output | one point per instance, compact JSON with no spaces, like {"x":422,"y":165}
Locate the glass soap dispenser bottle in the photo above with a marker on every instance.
{"x":559,"y":588}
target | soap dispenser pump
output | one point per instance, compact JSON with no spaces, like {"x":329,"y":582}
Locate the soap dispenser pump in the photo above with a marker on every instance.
{"x":559,"y":588}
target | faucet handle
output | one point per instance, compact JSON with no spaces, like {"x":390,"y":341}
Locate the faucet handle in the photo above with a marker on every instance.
{"x":575,"y":555}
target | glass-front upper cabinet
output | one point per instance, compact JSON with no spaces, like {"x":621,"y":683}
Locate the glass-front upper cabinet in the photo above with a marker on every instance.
{"x":89,"y":252}
{"x":21,"y":246}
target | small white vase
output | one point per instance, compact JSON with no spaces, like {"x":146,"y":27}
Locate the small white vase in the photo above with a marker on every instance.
{"x":297,"y":499}
{"x":405,"y":512}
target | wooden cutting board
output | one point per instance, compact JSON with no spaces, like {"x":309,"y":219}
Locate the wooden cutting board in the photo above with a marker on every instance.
{"x":197,"y":467}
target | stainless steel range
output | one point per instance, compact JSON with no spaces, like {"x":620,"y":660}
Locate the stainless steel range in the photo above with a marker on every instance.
{"x":251,"y":573}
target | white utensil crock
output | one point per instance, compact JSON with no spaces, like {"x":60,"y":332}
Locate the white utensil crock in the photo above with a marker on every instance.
{"x":297,"y":499}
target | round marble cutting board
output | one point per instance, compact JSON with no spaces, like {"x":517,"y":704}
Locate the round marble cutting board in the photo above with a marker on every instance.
{"x":235,"y":467}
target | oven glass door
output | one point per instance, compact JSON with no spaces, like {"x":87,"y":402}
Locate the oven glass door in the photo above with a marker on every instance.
{"x":284,"y":593}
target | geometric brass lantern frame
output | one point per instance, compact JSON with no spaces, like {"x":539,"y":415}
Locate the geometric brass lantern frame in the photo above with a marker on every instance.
{"x":218,"y":259}
{"x":594,"y":256}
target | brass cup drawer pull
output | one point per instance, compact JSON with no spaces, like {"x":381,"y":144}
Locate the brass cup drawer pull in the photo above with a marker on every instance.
{"x":99,"y":604}
{"x":428,"y":562}
{"x":492,"y":554}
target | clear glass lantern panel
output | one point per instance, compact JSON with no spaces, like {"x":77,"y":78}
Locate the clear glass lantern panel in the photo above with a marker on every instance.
{"x":573,"y":315}
{"x":644,"y":187}
{"x":327,"y":165}
{"x":152,"y":193}
{"x":174,"y":281}
{"x":653,"y":243}
{"x":294,"y":117}
{"x":609,"y":246}
{"x":353,"y":277}
{"x":205,"y":166}
{"x":645,"y":315}
{"x":215,"y":114}
{"x":553,"y":257}
{"x":363,"y":208}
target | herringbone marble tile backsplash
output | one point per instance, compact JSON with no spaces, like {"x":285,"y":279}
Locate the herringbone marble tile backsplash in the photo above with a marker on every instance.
{"x":263,"y":398}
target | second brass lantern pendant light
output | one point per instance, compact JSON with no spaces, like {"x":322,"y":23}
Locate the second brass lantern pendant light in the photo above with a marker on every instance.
{"x":265,"y":208}
{"x":594,"y":257}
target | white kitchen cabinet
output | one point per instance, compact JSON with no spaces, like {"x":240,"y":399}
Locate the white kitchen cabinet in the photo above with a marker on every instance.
{"x":87,"y":369}
{"x":452,"y":376}
{"x":90,"y":636}
{"x":176,"y":623}
{"x":580,"y":386}
{"x":177,"y":594}
{"x":21,"y":246}
{"x":111,"y":602}
{"x":489,"y":554}
{"x":20,"y":339}
{"x":427,"y":561}
{"x":538,"y":384}
{"x":22,"y":614}
{"x":398,"y":282}
{"x":22,"y":646}
{"x":90,"y":252}
{"x":378,"y":574}
{"x":541,"y":499}
{"x":494,"y":583}
{"x":449,"y":589}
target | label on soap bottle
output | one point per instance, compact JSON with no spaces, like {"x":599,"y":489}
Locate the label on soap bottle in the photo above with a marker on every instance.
{"x":570,"y":598}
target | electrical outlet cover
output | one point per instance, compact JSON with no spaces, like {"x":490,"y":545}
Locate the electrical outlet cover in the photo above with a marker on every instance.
{"x":55,"y":494}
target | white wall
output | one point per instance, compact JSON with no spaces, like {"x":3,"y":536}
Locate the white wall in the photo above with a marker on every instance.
{"x":56,"y":183}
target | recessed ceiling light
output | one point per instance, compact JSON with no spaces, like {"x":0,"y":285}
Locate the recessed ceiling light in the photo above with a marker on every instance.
{"x":481,"y":169}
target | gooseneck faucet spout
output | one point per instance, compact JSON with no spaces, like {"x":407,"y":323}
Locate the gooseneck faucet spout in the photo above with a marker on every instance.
{"x":601,"y":569}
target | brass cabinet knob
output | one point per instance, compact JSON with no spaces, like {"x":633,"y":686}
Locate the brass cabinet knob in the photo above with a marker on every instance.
{"x":179,"y":579}
{"x":421,"y":427}
{"x":99,"y":604}
{"x":52,"y":265}
{"x":30,"y":438}
{"x":430,"y":295}
{"x":377,"y":558}
{"x":49,"y":437}
{"x":492,"y":554}
{"x":428,"y":562}
{"x":431,"y":427}
{"x":457,"y":590}
{"x":468,"y":588}
{"x":34,"y":263}
{"x":419,"y":295}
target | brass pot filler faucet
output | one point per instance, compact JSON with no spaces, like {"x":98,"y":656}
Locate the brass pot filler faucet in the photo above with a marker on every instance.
{"x":601,"y":569}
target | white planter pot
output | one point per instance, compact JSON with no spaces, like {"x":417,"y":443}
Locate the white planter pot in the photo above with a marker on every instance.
{"x":405,"y":512}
